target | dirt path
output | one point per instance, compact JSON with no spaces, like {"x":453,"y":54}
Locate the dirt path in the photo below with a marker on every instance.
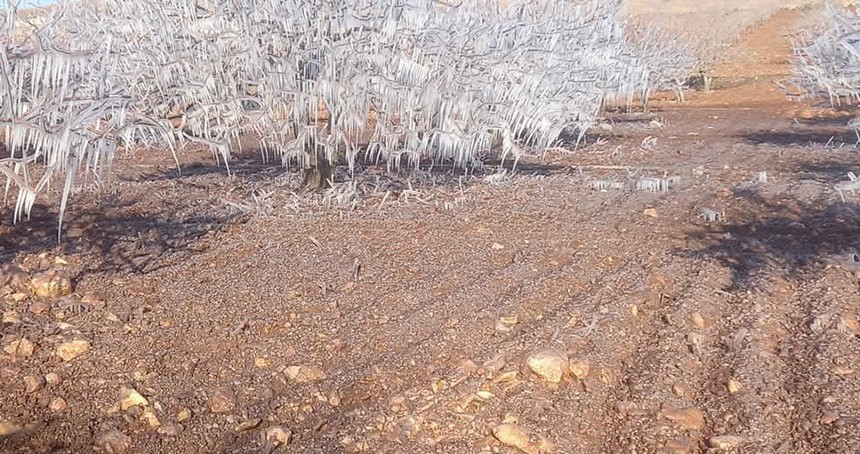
{"x":402,"y":323}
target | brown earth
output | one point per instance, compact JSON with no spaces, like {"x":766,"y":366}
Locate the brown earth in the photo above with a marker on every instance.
{"x":411,"y":309}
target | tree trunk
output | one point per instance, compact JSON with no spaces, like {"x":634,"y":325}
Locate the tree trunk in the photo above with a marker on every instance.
{"x":320,"y":173}
{"x":646,"y":102}
{"x":707,"y":82}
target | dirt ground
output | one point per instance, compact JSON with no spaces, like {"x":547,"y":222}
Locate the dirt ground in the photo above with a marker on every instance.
{"x":397,"y":315}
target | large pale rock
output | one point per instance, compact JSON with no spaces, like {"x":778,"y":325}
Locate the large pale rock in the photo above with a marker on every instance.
{"x":51,"y":284}
{"x":550,"y":364}
{"x":517,"y":437}
{"x":68,"y":351}
{"x":688,"y":418}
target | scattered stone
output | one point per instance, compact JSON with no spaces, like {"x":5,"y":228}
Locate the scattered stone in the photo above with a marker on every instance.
{"x":21,"y":348}
{"x":170,"y":430}
{"x":681,"y":445}
{"x":13,"y":276}
{"x":687,"y":418}
{"x":724,"y":442}
{"x":183,"y":415}
{"x":733,"y":386}
{"x":829,"y":417}
{"x":550,"y":364}
{"x":114,"y":441}
{"x":223,"y":400}
{"x":9,"y":428}
{"x":58,"y":404}
{"x":10,"y":318}
{"x":279,"y":435}
{"x":681,"y":390}
{"x":697,"y":320}
{"x":53,"y":378}
{"x":517,"y":437}
{"x":579,"y":368}
{"x":506,"y":324}
{"x":847,"y":324}
{"x":33,"y":383}
{"x":17,"y":297}
{"x":625,"y":408}
{"x":305,"y":374}
{"x":150,"y":419}
{"x":248,"y":424}
{"x":72,"y":349}
{"x":843,"y":370}
{"x":51,"y":284}
{"x":131,"y":398}
{"x":39,"y":307}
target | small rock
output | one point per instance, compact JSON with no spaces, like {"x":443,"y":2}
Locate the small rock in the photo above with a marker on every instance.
{"x":697,"y":320}
{"x":506,"y":324}
{"x":248,"y":424}
{"x":579,"y":368}
{"x":150,"y":419}
{"x":733,"y":386}
{"x":223,"y":400}
{"x":687,"y":418}
{"x":724,"y":442}
{"x":262,"y":362}
{"x":33,"y":383}
{"x":13,"y":276}
{"x":305,"y":374}
{"x":829,"y":417}
{"x":21,"y":348}
{"x":114,"y":441}
{"x":650,"y":212}
{"x":10,"y":318}
{"x":9,"y":428}
{"x":51,"y":284}
{"x":58,"y":404}
{"x":39,"y":307}
{"x":843,"y":370}
{"x":680,"y":445}
{"x":498,"y":246}
{"x":517,"y":437}
{"x":170,"y":430}
{"x":183,"y":415}
{"x":18,"y":297}
{"x":53,"y":378}
{"x":131,"y":398}
{"x":279,"y":435}
{"x":681,"y":390}
{"x":847,"y":324}
{"x":550,"y":364}
{"x":72,"y":349}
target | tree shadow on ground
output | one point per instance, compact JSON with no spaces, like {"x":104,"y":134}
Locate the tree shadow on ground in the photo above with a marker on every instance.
{"x":781,"y":235}
{"x":135,"y":228}
{"x":827,"y":130}
{"x":803,"y":137}
{"x":112,"y":234}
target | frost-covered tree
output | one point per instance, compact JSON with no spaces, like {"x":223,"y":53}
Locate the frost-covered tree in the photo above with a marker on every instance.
{"x":827,"y":61}
{"x":316,"y":82}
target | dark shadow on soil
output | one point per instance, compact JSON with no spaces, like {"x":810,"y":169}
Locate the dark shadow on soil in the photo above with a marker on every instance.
{"x":803,"y":137}
{"x":832,"y":130}
{"x":134,"y":229}
{"x":111,"y":234}
{"x":781,"y":235}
